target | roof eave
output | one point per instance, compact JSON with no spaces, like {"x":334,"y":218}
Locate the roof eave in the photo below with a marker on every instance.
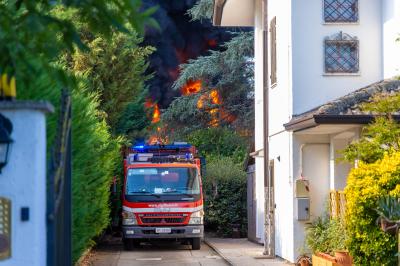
{"x":218,"y":10}
{"x":315,"y":120}
{"x":233,"y":13}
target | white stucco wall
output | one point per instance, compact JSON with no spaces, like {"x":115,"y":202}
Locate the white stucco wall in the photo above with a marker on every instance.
{"x":311,"y":87}
{"x":281,"y":154}
{"x":280,"y":94}
{"x":311,"y":159}
{"x":23,"y":181}
{"x":391,"y":31}
{"x":280,"y":110}
{"x":340,"y":169}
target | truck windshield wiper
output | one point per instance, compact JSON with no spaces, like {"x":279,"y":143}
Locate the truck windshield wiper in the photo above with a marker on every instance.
{"x":178,"y":193}
{"x":144,"y":192}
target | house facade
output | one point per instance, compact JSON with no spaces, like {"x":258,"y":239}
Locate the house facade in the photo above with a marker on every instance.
{"x":324,"y":57}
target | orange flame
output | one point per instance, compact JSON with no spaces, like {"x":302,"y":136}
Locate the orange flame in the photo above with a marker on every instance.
{"x":200,"y":101}
{"x":155,"y":117}
{"x":214,"y":95}
{"x":156,"y":114}
{"x":217,"y":114}
{"x":214,"y":117}
{"x":212,"y":43}
{"x":191,"y":87}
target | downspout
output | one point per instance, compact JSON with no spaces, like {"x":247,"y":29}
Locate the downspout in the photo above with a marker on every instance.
{"x":269,"y":235}
{"x":301,"y":159}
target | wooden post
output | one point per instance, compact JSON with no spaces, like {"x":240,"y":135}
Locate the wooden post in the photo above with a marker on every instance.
{"x":398,"y":245}
{"x":337,"y":203}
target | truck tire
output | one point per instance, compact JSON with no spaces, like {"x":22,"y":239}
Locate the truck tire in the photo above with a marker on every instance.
{"x":128,"y":244}
{"x":196,"y":243}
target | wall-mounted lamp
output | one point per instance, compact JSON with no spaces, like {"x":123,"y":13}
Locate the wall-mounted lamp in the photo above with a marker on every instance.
{"x":5,"y":140}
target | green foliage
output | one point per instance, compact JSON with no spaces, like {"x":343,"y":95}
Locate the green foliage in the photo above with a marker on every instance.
{"x":216,"y":142}
{"x":380,"y":137}
{"x":366,"y":185}
{"x":203,"y":9}
{"x":182,"y":116}
{"x":95,"y":157}
{"x":30,"y":29}
{"x":95,"y":154}
{"x":325,"y":235}
{"x":116,"y":69}
{"x":389,"y":208}
{"x":134,"y":120}
{"x":224,"y":189}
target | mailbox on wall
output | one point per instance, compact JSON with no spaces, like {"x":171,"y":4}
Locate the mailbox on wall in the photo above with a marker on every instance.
{"x":5,"y":228}
{"x":302,"y":209}
{"x":302,"y":200}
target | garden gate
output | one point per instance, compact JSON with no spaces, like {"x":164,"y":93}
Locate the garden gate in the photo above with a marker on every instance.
{"x":59,"y":190}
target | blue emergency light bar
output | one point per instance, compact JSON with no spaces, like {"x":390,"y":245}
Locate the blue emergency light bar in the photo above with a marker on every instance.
{"x":159,"y":148}
{"x":161,"y":153}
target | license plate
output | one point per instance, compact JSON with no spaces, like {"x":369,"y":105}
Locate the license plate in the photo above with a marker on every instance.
{"x":163,"y":230}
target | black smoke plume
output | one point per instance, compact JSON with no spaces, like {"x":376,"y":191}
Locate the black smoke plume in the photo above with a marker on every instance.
{"x":179,"y":40}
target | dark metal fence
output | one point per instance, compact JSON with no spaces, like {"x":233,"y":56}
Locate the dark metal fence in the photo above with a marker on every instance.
{"x":59,"y":247}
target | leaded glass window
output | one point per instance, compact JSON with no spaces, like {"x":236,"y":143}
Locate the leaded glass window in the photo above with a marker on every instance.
{"x":341,"y":10}
{"x":341,"y":54}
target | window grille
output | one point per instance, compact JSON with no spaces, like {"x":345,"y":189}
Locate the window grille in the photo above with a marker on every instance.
{"x":341,"y":10}
{"x":341,"y":54}
{"x":273,"y":51}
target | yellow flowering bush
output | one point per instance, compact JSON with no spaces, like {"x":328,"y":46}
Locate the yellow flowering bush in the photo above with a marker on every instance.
{"x":367,"y":243}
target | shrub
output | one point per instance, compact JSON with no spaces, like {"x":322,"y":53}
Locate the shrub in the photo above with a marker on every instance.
{"x":367,"y":243}
{"x":225,"y":189}
{"x":325,"y":235}
{"x":94,"y":153}
{"x":216,"y":142}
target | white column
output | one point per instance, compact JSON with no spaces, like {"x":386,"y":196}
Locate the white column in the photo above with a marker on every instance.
{"x":23,"y":181}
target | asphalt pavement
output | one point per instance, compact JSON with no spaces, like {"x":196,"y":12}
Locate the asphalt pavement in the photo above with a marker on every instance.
{"x":164,"y":253}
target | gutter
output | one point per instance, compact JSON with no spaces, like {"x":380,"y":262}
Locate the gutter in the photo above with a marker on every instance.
{"x":311,"y":121}
{"x":221,"y":254}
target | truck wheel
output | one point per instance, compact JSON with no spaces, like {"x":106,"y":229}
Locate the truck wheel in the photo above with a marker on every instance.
{"x":196,"y":243}
{"x":128,"y":243}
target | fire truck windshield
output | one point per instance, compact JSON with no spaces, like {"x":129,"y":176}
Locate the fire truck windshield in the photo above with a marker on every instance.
{"x":159,"y":181}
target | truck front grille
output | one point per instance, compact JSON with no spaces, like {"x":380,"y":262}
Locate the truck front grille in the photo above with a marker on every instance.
{"x":167,"y":218}
{"x":162,"y":220}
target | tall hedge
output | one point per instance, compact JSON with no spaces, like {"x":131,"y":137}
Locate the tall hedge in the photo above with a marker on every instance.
{"x":94,"y":154}
{"x":225,"y":202}
{"x":95,"y":157}
{"x":368,"y":244}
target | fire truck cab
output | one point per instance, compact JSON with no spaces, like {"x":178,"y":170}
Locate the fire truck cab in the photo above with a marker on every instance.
{"x":162,"y":195}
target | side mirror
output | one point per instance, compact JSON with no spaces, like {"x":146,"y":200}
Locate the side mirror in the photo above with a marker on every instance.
{"x":202,"y":166}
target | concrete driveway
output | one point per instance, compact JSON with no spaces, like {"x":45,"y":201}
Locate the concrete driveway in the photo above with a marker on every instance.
{"x":165,"y":253}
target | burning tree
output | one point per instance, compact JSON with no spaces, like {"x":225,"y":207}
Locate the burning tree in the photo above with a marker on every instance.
{"x":217,"y":89}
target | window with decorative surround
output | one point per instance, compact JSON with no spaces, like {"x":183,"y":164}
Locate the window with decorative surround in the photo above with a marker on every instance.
{"x":341,"y":11}
{"x":341,"y":54}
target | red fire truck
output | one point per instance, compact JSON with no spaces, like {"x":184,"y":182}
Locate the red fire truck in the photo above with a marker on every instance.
{"x":162,"y":195}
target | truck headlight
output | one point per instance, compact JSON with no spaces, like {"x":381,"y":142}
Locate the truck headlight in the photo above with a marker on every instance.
{"x":197,"y":217}
{"x":128,"y":218}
